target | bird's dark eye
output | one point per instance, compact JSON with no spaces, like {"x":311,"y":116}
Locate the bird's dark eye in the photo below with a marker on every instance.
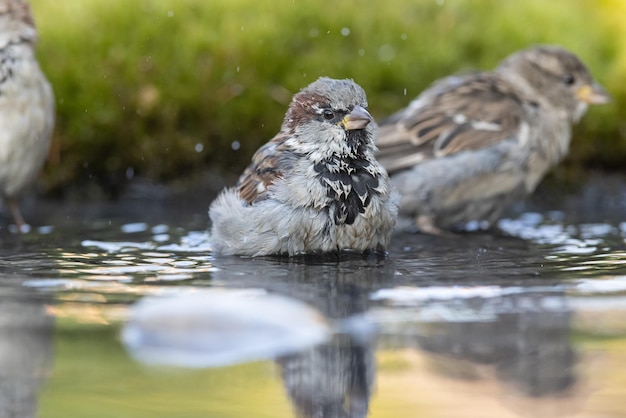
{"x":568,"y":79}
{"x":328,"y":114}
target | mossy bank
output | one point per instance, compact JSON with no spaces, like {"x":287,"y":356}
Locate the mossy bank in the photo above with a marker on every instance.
{"x":168,"y":89}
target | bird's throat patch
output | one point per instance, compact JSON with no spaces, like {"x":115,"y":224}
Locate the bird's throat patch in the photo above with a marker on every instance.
{"x":349,"y":185}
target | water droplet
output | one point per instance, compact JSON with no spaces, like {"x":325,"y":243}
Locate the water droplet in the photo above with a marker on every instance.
{"x":170,"y":13}
{"x":404,"y":37}
{"x":314,"y":33}
{"x":24,"y":229}
{"x":235,"y":145}
{"x":386,"y":53}
{"x":345,"y":31}
{"x":134,"y":227}
{"x":45,"y":229}
{"x":161,"y":237}
{"x":199,"y":147}
{"x":160,"y":229}
{"x":405,"y":91}
{"x":361,"y":52}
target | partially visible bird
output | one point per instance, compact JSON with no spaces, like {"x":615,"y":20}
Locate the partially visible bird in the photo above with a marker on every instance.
{"x":315,"y":187}
{"x":470,"y":145}
{"x":26,"y":106}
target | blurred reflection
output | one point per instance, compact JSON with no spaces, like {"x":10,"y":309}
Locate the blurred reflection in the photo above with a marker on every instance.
{"x":338,"y":287}
{"x":25,"y":351}
{"x":525,"y":337}
{"x":332,"y":380}
{"x":522,"y":334}
{"x":219,"y":327}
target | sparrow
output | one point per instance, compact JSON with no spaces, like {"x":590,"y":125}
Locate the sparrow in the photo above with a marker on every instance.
{"x":315,"y":187}
{"x":26,"y":106}
{"x":469,"y":146}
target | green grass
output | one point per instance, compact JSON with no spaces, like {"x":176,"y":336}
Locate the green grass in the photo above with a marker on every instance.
{"x":141,"y":85}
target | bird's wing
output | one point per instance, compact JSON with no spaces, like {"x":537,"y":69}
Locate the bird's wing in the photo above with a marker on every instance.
{"x":457,"y":114}
{"x":268,"y":164}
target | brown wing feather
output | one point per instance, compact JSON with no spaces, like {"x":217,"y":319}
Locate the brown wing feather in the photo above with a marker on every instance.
{"x":457,"y":114}
{"x":263,"y":170}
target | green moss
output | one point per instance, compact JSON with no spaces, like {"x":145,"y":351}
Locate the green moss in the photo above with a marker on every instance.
{"x":140,"y":84}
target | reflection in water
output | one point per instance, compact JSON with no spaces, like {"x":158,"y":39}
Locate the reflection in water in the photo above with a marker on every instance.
{"x":213,"y":328}
{"x":522,"y":333}
{"x":332,"y":380}
{"x":337,"y":287}
{"x":524,"y":336}
{"x":25,"y":351}
{"x":528,"y":343}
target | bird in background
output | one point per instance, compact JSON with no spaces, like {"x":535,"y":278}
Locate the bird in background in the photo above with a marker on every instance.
{"x":315,"y":187}
{"x":26,"y":106}
{"x":469,"y":146}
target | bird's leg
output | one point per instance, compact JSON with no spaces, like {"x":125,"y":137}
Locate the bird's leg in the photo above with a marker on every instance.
{"x":426,"y":225}
{"x":14,"y":208}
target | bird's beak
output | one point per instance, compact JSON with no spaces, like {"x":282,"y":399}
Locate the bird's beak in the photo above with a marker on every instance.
{"x":593,"y":94}
{"x":359,"y":118}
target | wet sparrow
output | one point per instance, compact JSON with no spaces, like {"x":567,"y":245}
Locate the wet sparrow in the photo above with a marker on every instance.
{"x":470,"y":145}
{"x":26,"y":106}
{"x":315,"y":187}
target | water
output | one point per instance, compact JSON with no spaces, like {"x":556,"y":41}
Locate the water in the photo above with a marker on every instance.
{"x":120,"y":310}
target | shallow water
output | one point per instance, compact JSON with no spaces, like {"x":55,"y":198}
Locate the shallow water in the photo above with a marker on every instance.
{"x":117,"y":310}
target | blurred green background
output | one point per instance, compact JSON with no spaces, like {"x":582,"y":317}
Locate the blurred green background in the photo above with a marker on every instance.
{"x":168,"y":90}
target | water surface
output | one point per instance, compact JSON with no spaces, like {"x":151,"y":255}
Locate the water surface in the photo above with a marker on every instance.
{"x":113,"y":310}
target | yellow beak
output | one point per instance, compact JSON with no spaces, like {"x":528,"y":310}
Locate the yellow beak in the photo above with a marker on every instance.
{"x":593,"y":94}
{"x":359,"y":118}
